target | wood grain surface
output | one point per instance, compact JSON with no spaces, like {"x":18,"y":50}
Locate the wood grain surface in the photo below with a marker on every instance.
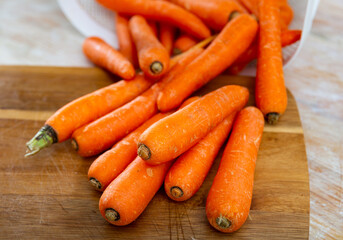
{"x":47,"y":196}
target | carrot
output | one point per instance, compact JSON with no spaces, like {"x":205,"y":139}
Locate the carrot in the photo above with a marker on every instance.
{"x":270,"y":93}
{"x":103,"y":55}
{"x":101,"y":134}
{"x":111,"y":163}
{"x":231,"y":42}
{"x":189,"y":101}
{"x":130,"y":193}
{"x":152,"y":56}
{"x":229,"y":199}
{"x":153,"y":27}
{"x":214,"y":13}
{"x":286,"y":15}
{"x":167,"y":33}
{"x":288,"y":37}
{"x":60,"y":126}
{"x":175,"y":134}
{"x":183,"y":43}
{"x":161,"y":11}
{"x":126,"y":45}
{"x":188,"y":172}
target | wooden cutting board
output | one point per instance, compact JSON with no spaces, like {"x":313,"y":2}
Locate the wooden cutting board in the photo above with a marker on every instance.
{"x":48,"y":196}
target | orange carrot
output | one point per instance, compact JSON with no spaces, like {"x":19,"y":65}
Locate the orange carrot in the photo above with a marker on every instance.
{"x":60,"y":126}
{"x":161,"y":11}
{"x":126,"y":45}
{"x":215,"y":13}
{"x":188,"y":172}
{"x":130,"y":193}
{"x":103,"y":55}
{"x":175,"y":134}
{"x":271,"y":95}
{"x":251,"y":5}
{"x":101,"y":134}
{"x":189,"y":101}
{"x":229,"y":199}
{"x":286,"y":15}
{"x":111,"y":163}
{"x":153,"y":27}
{"x":167,"y":33}
{"x":288,"y":37}
{"x":183,"y":43}
{"x":231,"y":42}
{"x":152,"y":56}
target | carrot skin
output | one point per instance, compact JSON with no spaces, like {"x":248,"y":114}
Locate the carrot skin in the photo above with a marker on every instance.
{"x":161,"y":11}
{"x":126,"y":45}
{"x":103,"y":55}
{"x":190,"y":170}
{"x":229,"y":199}
{"x":153,"y":27}
{"x":270,"y":90}
{"x":151,"y":52}
{"x":232,"y":41}
{"x":183,"y":43}
{"x":111,"y":163}
{"x":130,"y":193}
{"x":175,"y":134}
{"x":166,"y":37}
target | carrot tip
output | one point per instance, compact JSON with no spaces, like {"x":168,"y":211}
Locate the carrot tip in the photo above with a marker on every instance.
{"x":233,"y":15}
{"x":74,"y":144}
{"x":44,"y":138}
{"x":223,"y":222}
{"x":112,"y":215}
{"x":176,"y":192}
{"x":144,"y":152}
{"x":156,"y":67}
{"x":272,"y":118}
{"x":95,"y":183}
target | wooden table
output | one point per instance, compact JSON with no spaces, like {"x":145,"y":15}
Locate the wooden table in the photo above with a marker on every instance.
{"x":315,"y":79}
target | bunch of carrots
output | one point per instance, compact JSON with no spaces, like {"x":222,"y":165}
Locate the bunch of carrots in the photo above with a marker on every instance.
{"x":149,"y":130}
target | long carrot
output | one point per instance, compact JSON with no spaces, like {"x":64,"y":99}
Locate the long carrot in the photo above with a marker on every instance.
{"x":103,"y":55}
{"x":183,"y":43}
{"x":60,"y":126}
{"x":111,"y":163}
{"x":189,"y":101}
{"x":188,"y":172}
{"x":166,"y":37}
{"x":271,"y":95}
{"x":288,"y":37}
{"x":161,"y":11}
{"x":101,"y":134}
{"x":175,"y":134}
{"x":153,"y":27}
{"x":229,"y":199}
{"x":130,"y":193}
{"x":251,"y":5}
{"x":215,"y":13}
{"x":153,"y":58}
{"x":231,"y":42}
{"x":126,"y":45}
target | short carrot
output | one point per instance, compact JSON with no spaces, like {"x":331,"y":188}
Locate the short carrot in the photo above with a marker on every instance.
{"x":231,"y":42}
{"x":153,"y":58}
{"x":229,"y":199}
{"x":126,"y":44}
{"x":153,"y":27}
{"x":101,"y":134}
{"x":188,"y":172}
{"x":103,"y":55}
{"x":288,"y":37}
{"x":129,"y":194}
{"x":161,"y":11}
{"x":215,"y":13}
{"x":270,"y":90}
{"x":60,"y":126}
{"x":175,"y":134}
{"x":183,"y":43}
{"x":111,"y":163}
{"x":166,"y":37}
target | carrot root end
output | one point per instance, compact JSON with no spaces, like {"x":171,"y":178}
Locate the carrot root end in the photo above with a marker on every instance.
{"x":74,"y":144}
{"x":176,"y":192}
{"x":112,"y":215}
{"x":144,"y":152}
{"x":223,"y":222}
{"x":156,"y":67}
{"x":44,"y":138}
{"x":94,"y":182}
{"x":233,"y":15}
{"x":272,"y":118}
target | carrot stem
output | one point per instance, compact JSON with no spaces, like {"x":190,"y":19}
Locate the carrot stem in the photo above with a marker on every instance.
{"x":45,"y":137}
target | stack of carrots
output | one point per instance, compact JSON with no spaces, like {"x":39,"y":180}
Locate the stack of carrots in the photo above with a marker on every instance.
{"x":149,"y":130}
